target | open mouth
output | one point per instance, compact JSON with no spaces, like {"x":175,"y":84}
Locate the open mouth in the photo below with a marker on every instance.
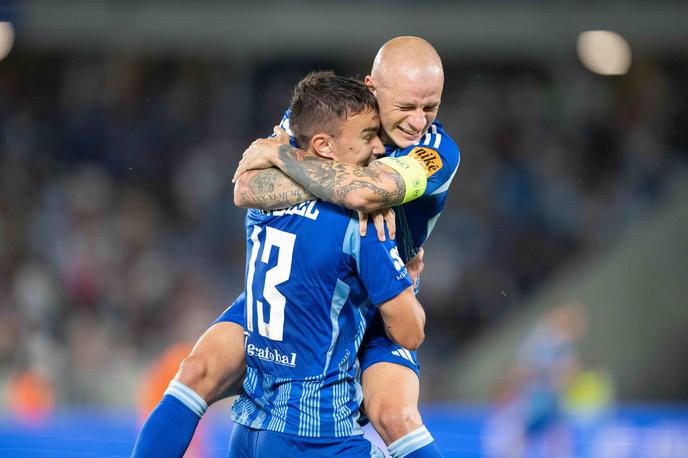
{"x":409,"y":134}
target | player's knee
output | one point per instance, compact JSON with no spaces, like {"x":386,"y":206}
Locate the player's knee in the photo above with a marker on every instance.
{"x":193,"y":372}
{"x":394,"y":422}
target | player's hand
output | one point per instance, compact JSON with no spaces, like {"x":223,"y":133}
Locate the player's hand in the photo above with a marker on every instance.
{"x":259,"y":154}
{"x":381,"y":218}
{"x":415,"y":266}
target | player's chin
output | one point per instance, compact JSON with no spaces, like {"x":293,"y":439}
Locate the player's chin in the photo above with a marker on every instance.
{"x":402,"y":142}
{"x":403,"y":139}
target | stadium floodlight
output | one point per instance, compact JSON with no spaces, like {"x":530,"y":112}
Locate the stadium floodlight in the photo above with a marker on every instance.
{"x":604,"y":52}
{"x":6,"y":38}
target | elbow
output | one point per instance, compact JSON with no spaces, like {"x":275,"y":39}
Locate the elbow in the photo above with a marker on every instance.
{"x":413,"y":342}
{"x":240,"y":190}
{"x":412,"y":338}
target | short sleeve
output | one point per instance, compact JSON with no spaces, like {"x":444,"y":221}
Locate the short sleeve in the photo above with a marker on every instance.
{"x":380,"y":267}
{"x":439,"y":156}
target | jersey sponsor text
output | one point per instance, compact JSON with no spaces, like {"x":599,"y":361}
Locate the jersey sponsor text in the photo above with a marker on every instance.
{"x":272,"y":355}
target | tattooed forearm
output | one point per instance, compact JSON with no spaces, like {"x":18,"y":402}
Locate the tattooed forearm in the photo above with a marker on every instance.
{"x":274,"y":201}
{"x":344,"y":184}
{"x":265,"y":182}
{"x":270,"y":189}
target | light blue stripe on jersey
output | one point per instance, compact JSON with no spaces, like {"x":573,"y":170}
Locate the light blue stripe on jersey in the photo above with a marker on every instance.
{"x":339,"y":398}
{"x":353,"y":390}
{"x":309,"y":405}
{"x":251,"y":379}
{"x":410,"y":443}
{"x":268,"y":392}
{"x":188,"y":397}
{"x":340,"y":410}
{"x":280,"y":406}
{"x":341,"y":294}
{"x":431,"y":138}
{"x":245,"y":405}
{"x":352,"y":241}
{"x":358,"y":397}
{"x":445,"y":186}
{"x":431,"y":223}
{"x":365,"y":311}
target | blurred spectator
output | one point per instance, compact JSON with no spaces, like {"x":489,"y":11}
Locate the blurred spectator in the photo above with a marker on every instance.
{"x":31,"y":396}
{"x":530,"y":416}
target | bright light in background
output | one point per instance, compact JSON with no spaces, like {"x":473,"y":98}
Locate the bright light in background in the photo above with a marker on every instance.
{"x":6,"y":38}
{"x":604,"y":52}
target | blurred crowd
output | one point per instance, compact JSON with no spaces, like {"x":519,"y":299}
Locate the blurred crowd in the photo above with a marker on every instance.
{"x":118,"y":236}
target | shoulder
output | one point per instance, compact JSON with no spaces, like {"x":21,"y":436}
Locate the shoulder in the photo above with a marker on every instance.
{"x":438,"y":155}
{"x":435,"y":145}
{"x":436,"y":150}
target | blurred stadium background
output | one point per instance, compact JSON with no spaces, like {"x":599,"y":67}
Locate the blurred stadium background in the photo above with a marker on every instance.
{"x":121,"y":123}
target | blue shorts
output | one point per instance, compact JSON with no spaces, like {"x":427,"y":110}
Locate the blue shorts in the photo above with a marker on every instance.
{"x":375,"y":348}
{"x":378,"y":348}
{"x":259,"y":443}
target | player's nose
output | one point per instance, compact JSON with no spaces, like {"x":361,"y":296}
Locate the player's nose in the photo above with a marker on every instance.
{"x":378,"y":147}
{"x":417,"y":120}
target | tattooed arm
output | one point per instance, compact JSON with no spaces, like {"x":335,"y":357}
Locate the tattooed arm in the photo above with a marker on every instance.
{"x":362,"y":188}
{"x":381,"y":184}
{"x":268,"y":189}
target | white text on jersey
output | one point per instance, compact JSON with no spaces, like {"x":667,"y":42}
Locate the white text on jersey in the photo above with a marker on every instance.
{"x":306,"y":209}
{"x":272,"y":355}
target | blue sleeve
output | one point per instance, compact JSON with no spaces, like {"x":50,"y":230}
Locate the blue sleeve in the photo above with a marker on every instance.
{"x":284,"y":124}
{"x":439,"y":155}
{"x":235,"y":313}
{"x":380,"y":267}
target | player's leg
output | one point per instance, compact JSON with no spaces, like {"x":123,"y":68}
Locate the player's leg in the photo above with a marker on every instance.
{"x":216,"y":366}
{"x":214,"y":369}
{"x":391,"y":391}
{"x":390,"y":394}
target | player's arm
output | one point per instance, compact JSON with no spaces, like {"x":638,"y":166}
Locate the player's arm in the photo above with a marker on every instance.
{"x":382,"y":183}
{"x":404,"y":319}
{"x":390,"y":286}
{"x":268,"y":189}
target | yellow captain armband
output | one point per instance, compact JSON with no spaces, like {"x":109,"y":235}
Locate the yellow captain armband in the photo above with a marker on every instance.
{"x":412,"y":172}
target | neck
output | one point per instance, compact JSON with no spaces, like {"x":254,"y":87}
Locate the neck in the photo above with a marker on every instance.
{"x":386,"y":140}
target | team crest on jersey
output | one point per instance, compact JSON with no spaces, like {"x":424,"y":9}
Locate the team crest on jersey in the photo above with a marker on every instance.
{"x":428,"y":158}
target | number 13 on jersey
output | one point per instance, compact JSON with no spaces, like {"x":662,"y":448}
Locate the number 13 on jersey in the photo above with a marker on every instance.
{"x":284,"y":242}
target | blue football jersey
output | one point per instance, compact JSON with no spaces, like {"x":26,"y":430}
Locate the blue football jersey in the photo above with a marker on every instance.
{"x":439,"y":156}
{"x":312,"y":284}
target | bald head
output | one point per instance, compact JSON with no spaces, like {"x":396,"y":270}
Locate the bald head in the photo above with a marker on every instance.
{"x":410,"y":57}
{"x":407,"y":80}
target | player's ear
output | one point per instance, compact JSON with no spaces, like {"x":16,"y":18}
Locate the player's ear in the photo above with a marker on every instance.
{"x":370,"y":83}
{"x":323,"y":145}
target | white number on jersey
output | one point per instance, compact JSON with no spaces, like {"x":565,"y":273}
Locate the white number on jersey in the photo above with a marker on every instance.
{"x":394,"y":253}
{"x":284,"y":241}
